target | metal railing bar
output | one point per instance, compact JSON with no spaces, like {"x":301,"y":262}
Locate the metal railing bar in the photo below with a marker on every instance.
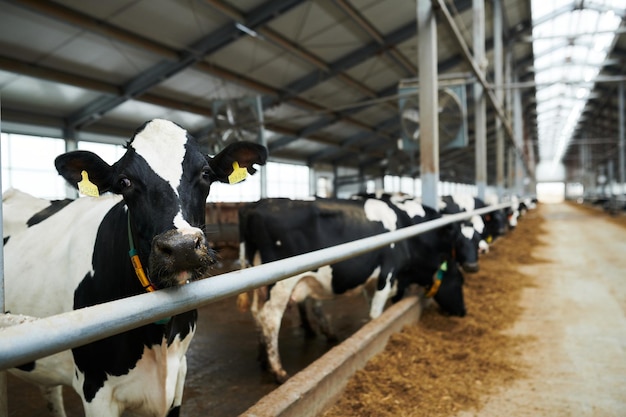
{"x":31,"y":340}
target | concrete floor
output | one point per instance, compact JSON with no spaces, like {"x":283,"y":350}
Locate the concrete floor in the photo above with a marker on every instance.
{"x":576,"y":315}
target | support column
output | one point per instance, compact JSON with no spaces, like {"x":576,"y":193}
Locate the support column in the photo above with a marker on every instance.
{"x":428,"y":102}
{"x":582,"y":154}
{"x":312,"y":181}
{"x":498,"y":64}
{"x":620,"y":118}
{"x":510,"y":167}
{"x":4,"y":406}
{"x":71,"y":144}
{"x":335,"y":181}
{"x":518,"y":127}
{"x":262,"y":141}
{"x":480,"y":112}
{"x":508,"y":111}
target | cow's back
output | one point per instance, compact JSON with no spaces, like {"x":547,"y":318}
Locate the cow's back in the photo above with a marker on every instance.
{"x":44,"y":263}
{"x":281,"y":228}
{"x":17,"y":208}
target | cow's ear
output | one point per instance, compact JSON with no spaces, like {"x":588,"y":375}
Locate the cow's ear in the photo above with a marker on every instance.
{"x":242,"y":155}
{"x":76,"y":166}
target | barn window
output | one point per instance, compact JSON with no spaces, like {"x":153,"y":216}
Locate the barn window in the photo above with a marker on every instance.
{"x":28,"y":164}
{"x":287,"y":180}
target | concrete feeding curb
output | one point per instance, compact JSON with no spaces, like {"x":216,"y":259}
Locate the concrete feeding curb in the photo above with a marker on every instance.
{"x":312,"y":390}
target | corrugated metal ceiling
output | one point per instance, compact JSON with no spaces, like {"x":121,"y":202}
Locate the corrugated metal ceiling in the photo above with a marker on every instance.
{"x":327,"y":72}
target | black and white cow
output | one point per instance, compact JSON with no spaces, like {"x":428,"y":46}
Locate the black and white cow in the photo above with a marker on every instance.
{"x":143,"y":234}
{"x":493,"y":224}
{"x":526,"y":204}
{"x":275,"y":229}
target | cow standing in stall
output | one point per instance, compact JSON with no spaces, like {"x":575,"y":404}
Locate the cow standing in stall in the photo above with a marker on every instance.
{"x":489,"y":226}
{"x":275,"y":229}
{"x":144,"y":234}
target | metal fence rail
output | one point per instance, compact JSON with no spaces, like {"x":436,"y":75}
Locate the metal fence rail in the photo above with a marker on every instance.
{"x":35,"y":339}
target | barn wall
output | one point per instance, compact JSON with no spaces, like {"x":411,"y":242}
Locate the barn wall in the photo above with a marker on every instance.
{"x":222,"y":225}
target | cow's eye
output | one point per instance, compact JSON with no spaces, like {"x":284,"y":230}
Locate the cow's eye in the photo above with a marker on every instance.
{"x":206,"y":173}
{"x":124,"y":183}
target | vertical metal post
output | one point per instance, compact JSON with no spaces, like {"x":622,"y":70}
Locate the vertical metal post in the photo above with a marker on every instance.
{"x":581,"y":163}
{"x":480,"y":112}
{"x":519,"y":132}
{"x":532,"y":184}
{"x":508,"y":110}
{"x":428,"y":101}
{"x":508,"y":79}
{"x":620,"y":118}
{"x":362,"y":184}
{"x":4,"y":406}
{"x":610,"y":177}
{"x":312,"y":181}
{"x":262,"y":141}
{"x":335,"y":181}
{"x":587,"y":175}
{"x":71,"y":144}
{"x":510,"y":168}
{"x":498,"y":64}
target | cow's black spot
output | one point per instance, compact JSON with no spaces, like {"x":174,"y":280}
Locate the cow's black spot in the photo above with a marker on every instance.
{"x":174,"y":412}
{"x":54,"y":207}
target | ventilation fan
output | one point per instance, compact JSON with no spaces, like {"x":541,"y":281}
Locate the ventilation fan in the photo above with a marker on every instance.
{"x":452,"y":111}
{"x":236,"y":120}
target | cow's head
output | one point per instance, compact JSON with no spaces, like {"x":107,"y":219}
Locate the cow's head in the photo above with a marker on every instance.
{"x":459,"y":241}
{"x":512,"y":214}
{"x":164,"y":180}
{"x":466,"y":247}
{"x":449,"y":294}
{"x":495,"y":225}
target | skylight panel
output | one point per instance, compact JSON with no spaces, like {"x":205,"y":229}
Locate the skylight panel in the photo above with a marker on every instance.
{"x":570,"y":45}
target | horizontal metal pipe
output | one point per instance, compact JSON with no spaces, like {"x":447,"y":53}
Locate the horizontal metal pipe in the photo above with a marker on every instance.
{"x":35,"y":339}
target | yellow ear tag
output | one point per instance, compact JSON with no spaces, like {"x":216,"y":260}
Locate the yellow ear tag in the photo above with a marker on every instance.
{"x":239,"y":174}
{"x":87,"y":187}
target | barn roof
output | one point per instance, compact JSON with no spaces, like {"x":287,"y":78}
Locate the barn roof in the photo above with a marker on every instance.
{"x":327,"y":75}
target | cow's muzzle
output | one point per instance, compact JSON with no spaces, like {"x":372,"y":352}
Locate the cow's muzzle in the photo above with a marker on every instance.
{"x":470,"y":267}
{"x":179,"y":256}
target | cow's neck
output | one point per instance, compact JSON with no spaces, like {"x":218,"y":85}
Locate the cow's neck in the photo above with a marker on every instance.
{"x":143,"y":278}
{"x":112,"y":276}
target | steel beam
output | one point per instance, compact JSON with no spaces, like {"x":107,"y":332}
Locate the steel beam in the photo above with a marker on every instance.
{"x":4,"y":406}
{"x":428,"y":102}
{"x":481,"y":78}
{"x":480,"y":102}
{"x":620,"y":122}
{"x":155,"y":75}
{"x":518,"y":123}
{"x":498,"y":62}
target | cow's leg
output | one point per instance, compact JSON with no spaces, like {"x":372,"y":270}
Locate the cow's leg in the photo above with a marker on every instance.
{"x":54,"y":400}
{"x":180,"y":386}
{"x":174,"y":412}
{"x":381,"y":296}
{"x":102,"y":409}
{"x":103,"y":404}
{"x":268,"y":319}
{"x":305,"y":319}
{"x":323,"y":322}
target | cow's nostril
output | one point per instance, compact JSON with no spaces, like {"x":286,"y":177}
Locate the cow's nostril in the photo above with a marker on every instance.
{"x":164,"y":248}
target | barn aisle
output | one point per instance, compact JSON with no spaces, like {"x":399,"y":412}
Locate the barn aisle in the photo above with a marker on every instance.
{"x":576,"y":315}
